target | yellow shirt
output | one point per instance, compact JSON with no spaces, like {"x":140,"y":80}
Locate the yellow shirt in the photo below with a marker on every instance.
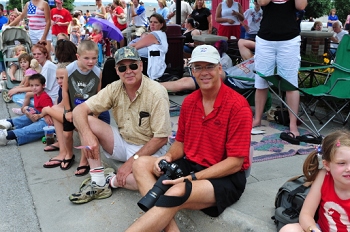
{"x":151,"y":99}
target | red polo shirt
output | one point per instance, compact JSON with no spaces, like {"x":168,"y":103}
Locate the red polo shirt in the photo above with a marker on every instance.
{"x":225,"y":132}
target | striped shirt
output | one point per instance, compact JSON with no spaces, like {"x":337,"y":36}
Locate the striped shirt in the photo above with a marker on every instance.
{"x":224,"y":132}
{"x":36,"y":17}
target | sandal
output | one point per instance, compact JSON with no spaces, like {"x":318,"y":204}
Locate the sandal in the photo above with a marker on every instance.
{"x":86,"y":169}
{"x":51,"y":148}
{"x":17,"y":111}
{"x":53,"y":165}
{"x":69,"y":162}
{"x":310,"y":138}
{"x":289,"y":137}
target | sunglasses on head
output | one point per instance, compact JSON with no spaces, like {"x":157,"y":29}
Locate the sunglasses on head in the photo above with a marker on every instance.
{"x":122,"y":68}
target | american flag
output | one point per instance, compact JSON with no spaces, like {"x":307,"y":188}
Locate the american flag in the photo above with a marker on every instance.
{"x":31,"y":8}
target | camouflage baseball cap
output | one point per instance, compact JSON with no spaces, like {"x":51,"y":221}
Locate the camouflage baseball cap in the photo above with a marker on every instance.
{"x":126,"y":53}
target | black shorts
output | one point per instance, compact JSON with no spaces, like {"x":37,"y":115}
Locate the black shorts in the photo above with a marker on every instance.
{"x":67,"y":126}
{"x":227,"y":189}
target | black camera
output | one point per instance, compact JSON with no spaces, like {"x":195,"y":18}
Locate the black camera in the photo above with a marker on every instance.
{"x":171,"y":171}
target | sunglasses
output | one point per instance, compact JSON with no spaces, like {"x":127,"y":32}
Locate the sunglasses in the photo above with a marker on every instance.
{"x":123,"y":68}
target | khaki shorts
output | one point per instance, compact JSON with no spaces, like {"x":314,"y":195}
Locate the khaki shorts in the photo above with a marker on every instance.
{"x":134,"y":31}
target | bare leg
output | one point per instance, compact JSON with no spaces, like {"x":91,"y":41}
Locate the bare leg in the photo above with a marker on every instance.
{"x":260,"y":100}
{"x":185,"y":83}
{"x":246,"y":48}
{"x":68,"y":143}
{"x":12,"y":72}
{"x":295,"y":227}
{"x":293,"y":98}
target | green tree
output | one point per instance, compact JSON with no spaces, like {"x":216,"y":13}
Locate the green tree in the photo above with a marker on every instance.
{"x":343,"y":9}
{"x":317,"y":8}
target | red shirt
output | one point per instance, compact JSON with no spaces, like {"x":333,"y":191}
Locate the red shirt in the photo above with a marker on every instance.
{"x":119,"y":10}
{"x":42,"y":101}
{"x":334,"y":213}
{"x":225,"y":132}
{"x":96,"y":37}
{"x":61,"y":16}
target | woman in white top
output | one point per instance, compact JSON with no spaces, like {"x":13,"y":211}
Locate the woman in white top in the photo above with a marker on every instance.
{"x":229,"y":14}
{"x":100,"y":11}
{"x":153,"y":47}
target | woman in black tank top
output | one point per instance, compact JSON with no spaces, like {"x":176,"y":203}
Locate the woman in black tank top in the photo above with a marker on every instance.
{"x":191,"y":26}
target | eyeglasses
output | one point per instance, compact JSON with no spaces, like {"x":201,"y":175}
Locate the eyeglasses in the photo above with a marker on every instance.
{"x":209,"y":68}
{"x":123,"y":68}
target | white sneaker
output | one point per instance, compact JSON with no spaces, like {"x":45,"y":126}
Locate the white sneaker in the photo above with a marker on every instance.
{"x":3,"y":140}
{"x":4,"y":124}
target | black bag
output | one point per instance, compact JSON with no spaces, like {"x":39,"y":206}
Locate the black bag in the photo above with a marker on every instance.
{"x":281,"y":116}
{"x":289,"y":200}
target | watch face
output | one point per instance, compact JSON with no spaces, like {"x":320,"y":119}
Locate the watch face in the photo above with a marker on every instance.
{"x":136,"y":156}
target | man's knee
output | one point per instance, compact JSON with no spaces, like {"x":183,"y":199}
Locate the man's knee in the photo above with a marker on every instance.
{"x":143,"y":164}
{"x":176,"y":190}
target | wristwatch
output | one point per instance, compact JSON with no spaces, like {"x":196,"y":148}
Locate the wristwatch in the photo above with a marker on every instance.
{"x":193,"y":176}
{"x":136,"y":156}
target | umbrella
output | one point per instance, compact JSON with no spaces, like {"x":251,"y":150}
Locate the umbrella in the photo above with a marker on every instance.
{"x":108,"y":28}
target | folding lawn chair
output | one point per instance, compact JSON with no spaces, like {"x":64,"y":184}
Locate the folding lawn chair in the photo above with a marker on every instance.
{"x":335,"y":93}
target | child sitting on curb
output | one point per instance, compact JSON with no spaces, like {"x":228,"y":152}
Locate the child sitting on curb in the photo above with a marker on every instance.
{"x":29,"y":127}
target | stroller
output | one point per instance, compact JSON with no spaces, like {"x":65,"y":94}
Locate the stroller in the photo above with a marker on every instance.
{"x":9,"y":39}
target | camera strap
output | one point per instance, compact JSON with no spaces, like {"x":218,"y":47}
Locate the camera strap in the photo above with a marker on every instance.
{"x":172,"y":201}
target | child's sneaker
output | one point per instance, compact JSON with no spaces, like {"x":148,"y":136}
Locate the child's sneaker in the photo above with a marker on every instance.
{"x":17,"y":111}
{"x":89,"y":192}
{"x":3,"y":140}
{"x":4,"y":124}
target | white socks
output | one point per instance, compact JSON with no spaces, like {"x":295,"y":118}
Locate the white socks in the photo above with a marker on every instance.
{"x":98,"y":176}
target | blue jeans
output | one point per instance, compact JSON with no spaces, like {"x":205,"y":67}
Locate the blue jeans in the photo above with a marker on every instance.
{"x":18,"y":98}
{"x":27,"y":131}
{"x":249,"y":36}
{"x":188,"y":49}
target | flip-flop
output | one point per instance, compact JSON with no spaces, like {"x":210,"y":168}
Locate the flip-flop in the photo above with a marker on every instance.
{"x":54,"y":148}
{"x":86,"y":170}
{"x":310,"y":138}
{"x":53,"y":165}
{"x":289,"y":137}
{"x":69,"y":161}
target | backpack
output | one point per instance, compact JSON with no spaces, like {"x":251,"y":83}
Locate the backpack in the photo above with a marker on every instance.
{"x":281,"y":116}
{"x":289,"y":200}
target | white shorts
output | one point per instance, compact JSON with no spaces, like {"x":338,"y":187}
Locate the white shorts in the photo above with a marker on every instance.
{"x":123,"y":150}
{"x":35,"y":35}
{"x":283,"y":54}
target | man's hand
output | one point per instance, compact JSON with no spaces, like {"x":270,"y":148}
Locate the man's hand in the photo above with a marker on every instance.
{"x":156,"y":169}
{"x":90,"y":141}
{"x":69,"y":116}
{"x":173,"y":182}
{"x":124,"y":171}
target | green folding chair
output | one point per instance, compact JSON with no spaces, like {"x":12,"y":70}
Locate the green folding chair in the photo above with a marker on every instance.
{"x":334,"y":93}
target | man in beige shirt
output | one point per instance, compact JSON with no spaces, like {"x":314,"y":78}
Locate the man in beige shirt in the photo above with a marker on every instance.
{"x":140,"y":108}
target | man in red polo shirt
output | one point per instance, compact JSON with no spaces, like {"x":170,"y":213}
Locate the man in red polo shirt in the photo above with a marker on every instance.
{"x":211,"y":148}
{"x":60,"y":19}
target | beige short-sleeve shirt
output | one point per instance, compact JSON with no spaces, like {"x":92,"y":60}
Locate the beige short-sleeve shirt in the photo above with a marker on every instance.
{"x":138,"y":121}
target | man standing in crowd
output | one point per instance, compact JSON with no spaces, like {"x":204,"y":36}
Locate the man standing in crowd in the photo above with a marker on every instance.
{"x":60,"y":19}
{"x":138,"y":13}
{"x":186,"y":10}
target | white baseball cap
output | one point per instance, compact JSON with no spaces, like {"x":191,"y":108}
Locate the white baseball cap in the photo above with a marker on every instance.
{"x":205,"y":53}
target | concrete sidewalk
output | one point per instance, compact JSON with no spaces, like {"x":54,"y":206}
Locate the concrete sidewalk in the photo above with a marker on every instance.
{"x":36,"y":199}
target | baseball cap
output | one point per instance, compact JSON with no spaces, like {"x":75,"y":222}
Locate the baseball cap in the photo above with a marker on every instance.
{"x":59,"y":1}
{"x":126,"y":53}
{"x":205,"y":53}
